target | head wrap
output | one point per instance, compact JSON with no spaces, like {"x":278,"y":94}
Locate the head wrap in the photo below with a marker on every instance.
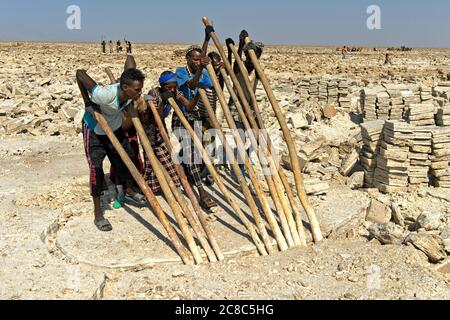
{"x":168,"y":78}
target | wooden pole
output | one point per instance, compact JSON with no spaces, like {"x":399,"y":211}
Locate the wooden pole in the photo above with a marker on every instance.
{"x":315,"y":228}
{"x":269,"y":180}
{"x":171,"y":193}
{"x":247,"y":108}
{"x":259,"y":245}
{"x":246,"y":191}
{"x":255,"y":181}
{"x":181,"y":250}
{"x":237,"y":171}
{"x":294,"y":238}
{"x":187,"y":187}
{"x":276,"y":171}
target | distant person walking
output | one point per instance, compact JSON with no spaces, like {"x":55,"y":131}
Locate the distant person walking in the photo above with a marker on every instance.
{"x":104,"y":46}
{"x":388,"y":59}
{"x":344,"y":53}
{"x":118,"y":46}
{"x":129,"y":50}
{"x":111,"y":48}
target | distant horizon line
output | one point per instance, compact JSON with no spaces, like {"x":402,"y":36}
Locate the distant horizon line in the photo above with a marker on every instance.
{"x":188,"y":43}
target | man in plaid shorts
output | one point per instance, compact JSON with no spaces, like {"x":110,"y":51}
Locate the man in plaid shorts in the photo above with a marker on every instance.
{"x":110,"y":102}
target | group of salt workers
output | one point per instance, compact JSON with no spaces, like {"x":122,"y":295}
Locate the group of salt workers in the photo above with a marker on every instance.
{"x":112,"y":100}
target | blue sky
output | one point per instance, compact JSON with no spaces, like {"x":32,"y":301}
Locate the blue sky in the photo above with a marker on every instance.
{"x":322,"y":22}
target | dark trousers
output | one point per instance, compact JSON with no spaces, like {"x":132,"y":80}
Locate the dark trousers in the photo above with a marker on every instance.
{"x":132,"y":137}
{"x":97,"y":147}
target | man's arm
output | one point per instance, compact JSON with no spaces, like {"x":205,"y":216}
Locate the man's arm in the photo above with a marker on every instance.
{"x":188,"y":104}
{"x":85,"y":83}
{"x":242,"y":36}
{"x":229,"y":42}
{"x":193,"y":83}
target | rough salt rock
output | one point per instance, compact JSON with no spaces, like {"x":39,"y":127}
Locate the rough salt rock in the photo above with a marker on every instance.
{"x":397,"y":215}
{"x":356,"y":181}
{"x":350,"y":163}
{"x":45,"y":81}
{"x":298,"y":120}
{"x":329,"y":111}
{"x":428,"y":244}
{"x":286,"y":162}
{"x":316,"y":187}
{"x":429,"y":221}
{"x":378,"y":212}
{"x":445,"y":236}
{"x":446,"y":233}
{"x":388,"y":233}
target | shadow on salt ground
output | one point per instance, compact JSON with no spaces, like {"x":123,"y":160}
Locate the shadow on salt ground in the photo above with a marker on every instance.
{"x":152,"y":229}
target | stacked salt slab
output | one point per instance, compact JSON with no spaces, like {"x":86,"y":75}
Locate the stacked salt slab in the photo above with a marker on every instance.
{"x":314,"y":88}
{"x":440,"y":169}
{"x":372,"y":135}
{"x":369,"y":104}
{"x":421,"y":114}
{"x":443,"y":116}
{"x":419,"y":155}
{"x":426,"y":94}
{"x":421,"y":117}
{"x":397,"y":106}
{"x":323,"y":90}
{"x":388,"y":101}
{"x":411,"y":96}
{"x":345,"y":101}
{"x":383,"y":105}
{"x":333,"y":93}
{"x":327,"y":89}
{"x":391,"y":174}
{"x":304,"y":88}
{"x":442,"y":89}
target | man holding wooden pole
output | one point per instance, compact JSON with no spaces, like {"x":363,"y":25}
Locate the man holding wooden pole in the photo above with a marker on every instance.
{"x":189,"y":79}
{"x":110,"y":100}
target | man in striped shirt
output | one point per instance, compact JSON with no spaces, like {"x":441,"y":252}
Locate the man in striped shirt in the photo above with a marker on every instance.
{"x":188,"y":81}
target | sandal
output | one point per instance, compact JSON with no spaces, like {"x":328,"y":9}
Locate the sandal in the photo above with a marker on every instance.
{"x":137,"y":200}
{"x":103,"y":225}
{"x":207,"y":203}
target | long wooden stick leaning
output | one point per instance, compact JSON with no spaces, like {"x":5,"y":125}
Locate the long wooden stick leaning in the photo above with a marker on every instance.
{"x":276,"y":171}
{"x":238,"y":87}
{"x":315,"y":228}
{"x":246,"y":191}
{"x":256,"y":184}
{"x":243,"y":98}
{"x":169,"y":190}
{"x":253,"y":234}
{"x":269,"y":180}
{"x":247,"y":109}
{"x":186,"y":185}
{"x":237,"y":171}
{"x":181,"y":250}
